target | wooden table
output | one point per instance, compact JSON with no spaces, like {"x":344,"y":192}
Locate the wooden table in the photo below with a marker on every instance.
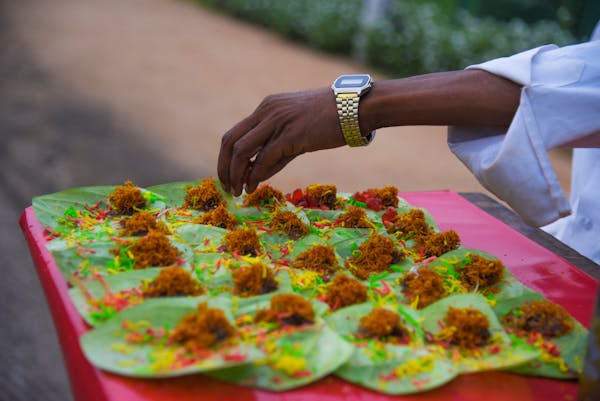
{"x":537,"y":259}
{"x":546,"y":240}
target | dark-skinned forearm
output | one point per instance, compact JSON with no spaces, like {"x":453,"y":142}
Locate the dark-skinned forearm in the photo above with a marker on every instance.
{"x":468,"y":97}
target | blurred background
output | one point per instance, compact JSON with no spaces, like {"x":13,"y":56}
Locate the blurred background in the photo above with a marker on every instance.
{"x":97,"y":92}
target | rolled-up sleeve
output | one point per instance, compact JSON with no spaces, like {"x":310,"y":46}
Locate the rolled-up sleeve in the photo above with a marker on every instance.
{"x":559,"y":107}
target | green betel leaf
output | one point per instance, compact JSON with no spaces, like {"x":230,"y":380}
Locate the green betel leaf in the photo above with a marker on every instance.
{"x":174,"y":192}
{"x":346,"y":241}
{"x":280,"y":247}
{"x":135,"y":342}
{"x":449,"y":266}
{"x":560,"y":357}
{"x":201,"y":237}
{"x":514,"y":296}
{"x":249,"y":306}
{"x":567,"y":363}
{"x":124,"y":290}
{"x":322,"y":215}
{"x":223,"y":282}
{"x":346,"y":321}
{"x":50,"y":209}
{"x":405,"y":370}
{"x":98,"y":298}
{"x":385,"y":367}
{"x":256,"y":214}
{"x":84,"y":258}
{"x":62,"y":210}
{"x":292,"y":360}
{"x":249,"y":214}
{"x":499,"y":351}
{"x":213,"y":268}
{"x":102,"y":257}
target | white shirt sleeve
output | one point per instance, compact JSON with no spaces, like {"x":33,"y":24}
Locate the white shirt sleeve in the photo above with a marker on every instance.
{"x":559,"y":106}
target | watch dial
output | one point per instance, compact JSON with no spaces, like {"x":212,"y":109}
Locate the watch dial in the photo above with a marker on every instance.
{"x":351,"y":81}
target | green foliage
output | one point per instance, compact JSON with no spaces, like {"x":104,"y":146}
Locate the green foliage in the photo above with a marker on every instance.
{"x":326,"y":25}
{"x":419,"y":38}
{"x":410,"y":37}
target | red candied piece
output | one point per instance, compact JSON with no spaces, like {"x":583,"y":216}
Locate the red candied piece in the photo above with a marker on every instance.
{"x":374,"y":204}
{"x":389,"y":216}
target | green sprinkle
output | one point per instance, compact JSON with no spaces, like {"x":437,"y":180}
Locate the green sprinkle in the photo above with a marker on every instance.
{"x":70,"y":212}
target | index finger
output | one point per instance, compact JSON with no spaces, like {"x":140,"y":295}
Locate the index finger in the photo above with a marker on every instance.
{"x":226,"y":151}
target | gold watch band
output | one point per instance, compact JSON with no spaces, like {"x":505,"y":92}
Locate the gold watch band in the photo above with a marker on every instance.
{"x":347,"y":106}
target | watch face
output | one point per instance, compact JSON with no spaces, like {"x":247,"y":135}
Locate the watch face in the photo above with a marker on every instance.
{"x":351,"y":81}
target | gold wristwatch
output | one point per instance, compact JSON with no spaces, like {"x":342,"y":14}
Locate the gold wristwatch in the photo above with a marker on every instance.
{"x":347,"y":90}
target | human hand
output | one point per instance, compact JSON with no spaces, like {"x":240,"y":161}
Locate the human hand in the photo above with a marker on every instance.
{"x":283,"y":127}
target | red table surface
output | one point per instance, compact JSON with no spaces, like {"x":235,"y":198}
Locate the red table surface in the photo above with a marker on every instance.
{"x":532,"y":264}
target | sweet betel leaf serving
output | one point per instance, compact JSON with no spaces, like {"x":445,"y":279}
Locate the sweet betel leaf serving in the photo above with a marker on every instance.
{"x":392,"y":356}
{"x":299,"y":347}
{"x":467,"y":330}
{"x":140,"y":341}
{"x":560,"y":339}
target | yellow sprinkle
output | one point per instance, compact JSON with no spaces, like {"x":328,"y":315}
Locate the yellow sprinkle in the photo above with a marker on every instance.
{"x":270,"y":347}
{"x":126,"y":363}
{"x":415,"y":366}
{"x":305,"y":280}
{"x":415,"y":302}
{"x":122,"y":348}
{"x":163,"y":359}
{"x":290,"y":365}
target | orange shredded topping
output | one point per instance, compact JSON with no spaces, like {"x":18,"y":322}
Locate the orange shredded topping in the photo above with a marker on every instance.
{"x":388,"y":196}
{"x":354,"y":217}
{"x":374,"y":255}
{"x":264,"y":196}
{"x":204,"y":197}
{"x":437,"y":244}
{"x":141,"y":223}
{"x":383,"y":324}
{"x":287,"y":309}
{"x":410,"y":225}
{"x":254,"y":280}
{"x":218,"y":217}
{"x":172,"y":281}
{"x":126,"y":199}
{"x":325,"y":195}
{"x":204,"y":328}
{"x":153,"y":249}
{"x":345,"y":291}
{"x":319,"y":258}
{"x":288,"y":223}
{"x":425,"y":285}
{"x":544,"y":317}
{"x":480,"y":273}
{"x":470,"y":327}
{"x":243,"y":241}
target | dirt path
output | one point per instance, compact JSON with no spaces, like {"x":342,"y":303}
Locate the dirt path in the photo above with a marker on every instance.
{"x":95,"y":92}
{"x":183,"y":75}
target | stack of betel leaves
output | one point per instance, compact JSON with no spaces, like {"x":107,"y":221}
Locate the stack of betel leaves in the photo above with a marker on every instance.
{"x":276,"y":291}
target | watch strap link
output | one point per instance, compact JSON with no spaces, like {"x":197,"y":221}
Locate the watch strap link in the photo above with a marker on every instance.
{"x":347,"y":107}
